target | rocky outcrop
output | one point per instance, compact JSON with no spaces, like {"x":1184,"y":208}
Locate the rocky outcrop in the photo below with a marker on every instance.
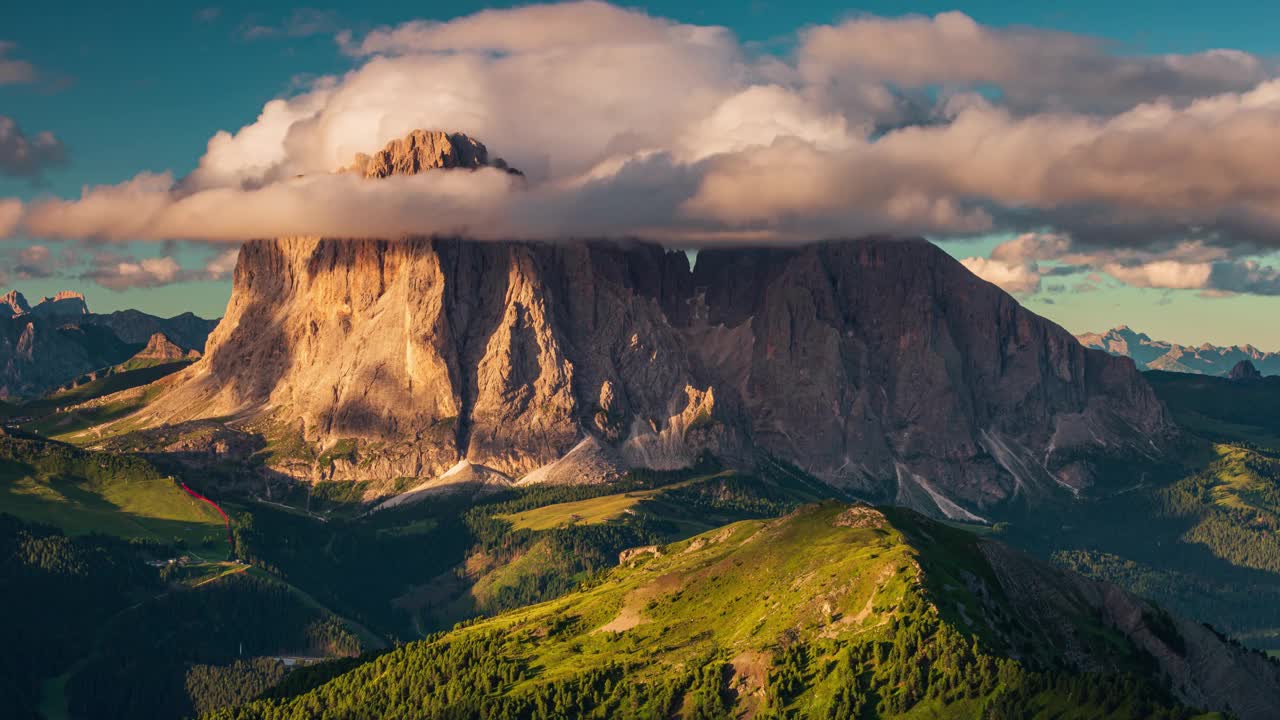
{"x":1244,"y":371}
{"x":423,"y":150}
{"x":879,"y":365}
{"x":1204,"y":359}
{"x":160,"y":348}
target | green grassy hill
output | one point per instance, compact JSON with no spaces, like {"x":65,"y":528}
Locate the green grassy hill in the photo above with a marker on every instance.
{"x":831,"y":611}
{"x":65,"y":413}
{"x":86,"y":492}
{"x":94,"y":629}
{"x":501,"y":551}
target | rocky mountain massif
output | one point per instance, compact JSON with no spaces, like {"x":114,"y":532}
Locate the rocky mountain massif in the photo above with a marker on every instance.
{"x":48,"y":345}
{"x":879,"y":365}
{"x":1206,"y":359}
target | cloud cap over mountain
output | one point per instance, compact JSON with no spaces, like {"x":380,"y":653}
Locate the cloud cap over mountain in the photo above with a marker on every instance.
{"x":629,"y":124}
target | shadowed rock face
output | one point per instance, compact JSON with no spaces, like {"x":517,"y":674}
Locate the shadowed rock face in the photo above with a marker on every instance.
{"x":881,"y":365}
{"x":1244,"y":371}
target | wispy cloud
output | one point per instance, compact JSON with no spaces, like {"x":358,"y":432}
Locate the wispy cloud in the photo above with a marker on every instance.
{"x":1018,"y":266}
{"x":12,"y":71}
{"x":26,"y":156}
{"x":301,"y":22}
{"x":118,"y":271}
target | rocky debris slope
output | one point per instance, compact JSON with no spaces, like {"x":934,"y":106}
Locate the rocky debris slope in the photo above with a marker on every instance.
{"x":878,"y":365}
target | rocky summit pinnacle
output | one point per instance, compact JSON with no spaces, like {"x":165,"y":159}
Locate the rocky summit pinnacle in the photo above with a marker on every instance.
{"x":879,"y":365}
{"x":65,"y":303}
{"x":13,"y":303}
{"x":423,"y":150}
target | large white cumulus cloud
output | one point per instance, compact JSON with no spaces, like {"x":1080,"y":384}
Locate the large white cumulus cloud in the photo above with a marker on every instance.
{"x":630,"y":124}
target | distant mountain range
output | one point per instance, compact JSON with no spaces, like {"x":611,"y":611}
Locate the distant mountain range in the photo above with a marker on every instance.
{"x":52,"y":343}
{"x":1206,"y":359}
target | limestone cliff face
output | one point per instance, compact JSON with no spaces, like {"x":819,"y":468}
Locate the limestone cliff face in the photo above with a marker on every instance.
{"x":881,"y":365}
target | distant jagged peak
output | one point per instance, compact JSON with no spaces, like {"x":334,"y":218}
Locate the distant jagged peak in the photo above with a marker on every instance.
{"x":1127,"y":332}
{"x":423,"y":150}
{"x":13,"y":303}
{"x":63,"y":303}
{"x":1244,"y":371}
{"x":1204,"y":358}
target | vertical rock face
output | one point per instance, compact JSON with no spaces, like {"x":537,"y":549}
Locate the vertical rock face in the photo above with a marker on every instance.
{"x":881,"y":365}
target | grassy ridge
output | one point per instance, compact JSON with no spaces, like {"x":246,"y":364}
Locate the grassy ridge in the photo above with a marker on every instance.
{"x":85,"y":492}
{"x":596,"y":510}
{"x":420,"y":568}
{"x":828,"y":612}
{"x":53,"y":416}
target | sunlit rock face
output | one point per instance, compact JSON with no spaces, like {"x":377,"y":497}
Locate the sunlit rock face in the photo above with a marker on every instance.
{"x":423,"y":150}
{"x":880,"y":365}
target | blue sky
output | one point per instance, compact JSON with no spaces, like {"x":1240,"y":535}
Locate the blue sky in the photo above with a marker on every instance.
{"x":144,"y":88}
